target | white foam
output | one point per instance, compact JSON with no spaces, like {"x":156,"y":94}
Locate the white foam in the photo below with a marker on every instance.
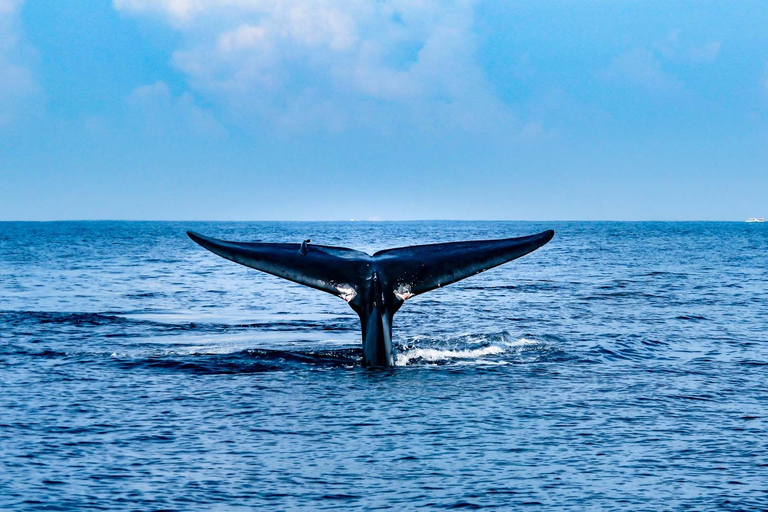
{"x":212,"y":350}
{"x":433,"y":355}
{"x":523,"y":342}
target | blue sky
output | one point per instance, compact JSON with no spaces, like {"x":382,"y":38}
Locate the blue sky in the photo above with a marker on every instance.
{"x":338,"y":109}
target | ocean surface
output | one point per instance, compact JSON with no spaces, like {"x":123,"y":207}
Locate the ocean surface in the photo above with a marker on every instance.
{"x":624,"y":366}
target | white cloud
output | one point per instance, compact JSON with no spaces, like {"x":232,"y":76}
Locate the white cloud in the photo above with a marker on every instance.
{"x":640,"y":68}
{"x":165,"y":113}
{"x":648,"y":68}
{"x":765,"y":78}
{"x":244,"y":37}
{"x":18,"y":87}
{"x":10,"y":6}
{"x":671,"y":48}
{"x":705,"y":53}
{"x":332,"y":63}
{"x":178,"y":10}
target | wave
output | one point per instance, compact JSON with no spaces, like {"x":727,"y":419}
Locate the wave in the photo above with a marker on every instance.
{"x":492,"y":349}
{"x":496,"y":348}
{"x":240,"y":362}
{"x":143,"y":323}
{"x":55,"y":317}
{"x":226,"y":360}
{"x":240,"y":346}
{"x":436,"y":355}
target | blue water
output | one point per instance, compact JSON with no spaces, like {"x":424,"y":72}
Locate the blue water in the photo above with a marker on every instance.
{"x":623,"y":366}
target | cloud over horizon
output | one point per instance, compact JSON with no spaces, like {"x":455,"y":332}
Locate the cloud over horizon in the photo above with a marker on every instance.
{"x":332,"y":63}
{"x":18,"y":86}
{"x":163,"y":112}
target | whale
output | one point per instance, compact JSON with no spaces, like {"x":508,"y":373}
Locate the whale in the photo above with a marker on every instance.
{"x":375,"y":286}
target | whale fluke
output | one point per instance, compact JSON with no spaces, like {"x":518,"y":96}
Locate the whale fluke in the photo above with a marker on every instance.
{"x":321,"y":267}
{"x":421,"y":268}
{"x":375,"y":286}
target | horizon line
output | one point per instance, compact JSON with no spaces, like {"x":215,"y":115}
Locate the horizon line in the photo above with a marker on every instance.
{"x":371,"y":221}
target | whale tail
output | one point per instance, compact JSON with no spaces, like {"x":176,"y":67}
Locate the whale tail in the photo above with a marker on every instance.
{"x":421,"y":268}
{"x":375,"y":286}
{"x":408,"y":271}
{"x":330,"y":269}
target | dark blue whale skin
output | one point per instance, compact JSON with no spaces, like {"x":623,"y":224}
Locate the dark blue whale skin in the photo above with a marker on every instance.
{"x":375,"y":286}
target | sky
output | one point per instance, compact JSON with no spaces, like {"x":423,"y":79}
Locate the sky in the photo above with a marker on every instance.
{"x":387,"y":110}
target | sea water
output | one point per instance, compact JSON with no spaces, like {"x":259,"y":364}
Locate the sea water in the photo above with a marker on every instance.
{"x":622,"y":366}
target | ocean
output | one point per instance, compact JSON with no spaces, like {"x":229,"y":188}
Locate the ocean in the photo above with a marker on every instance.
{"x":623,"y":366}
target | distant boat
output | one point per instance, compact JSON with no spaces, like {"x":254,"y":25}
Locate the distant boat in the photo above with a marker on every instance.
{"x":755,"y":219}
